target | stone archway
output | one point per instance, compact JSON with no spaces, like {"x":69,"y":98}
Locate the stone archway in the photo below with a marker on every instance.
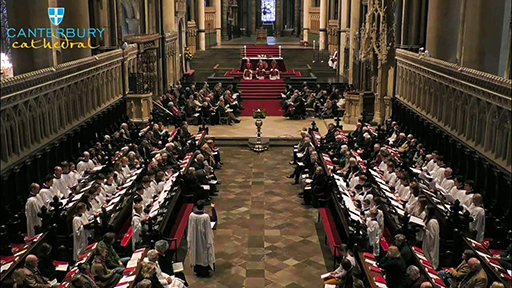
{"x":181,"y":43}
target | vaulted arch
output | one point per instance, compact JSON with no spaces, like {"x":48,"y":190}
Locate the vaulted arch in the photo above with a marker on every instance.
{"x":491,"y":129}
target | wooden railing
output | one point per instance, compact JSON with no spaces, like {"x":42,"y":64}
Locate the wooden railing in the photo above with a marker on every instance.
{"x":472,"y":106}
{"x":41,"y":106}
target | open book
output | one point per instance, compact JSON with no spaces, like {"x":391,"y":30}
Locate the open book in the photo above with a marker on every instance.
{"x":177,"y":267}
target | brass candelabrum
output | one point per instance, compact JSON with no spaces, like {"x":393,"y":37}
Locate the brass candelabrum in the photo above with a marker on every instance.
{"x":259,"y":144}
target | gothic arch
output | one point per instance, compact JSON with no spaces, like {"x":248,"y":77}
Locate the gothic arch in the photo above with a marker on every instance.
{"x":34,"y":125}
{"x":504,"y":141}
{"x":10,"y":136}
{"x":52,"y":118}
{"x":491,"y":129}
{"x":472,"y":119}
{"x":463,"y":114}
{"x":481,"y":120}
{"x":43,"y":116}
{"x":24,"y":136}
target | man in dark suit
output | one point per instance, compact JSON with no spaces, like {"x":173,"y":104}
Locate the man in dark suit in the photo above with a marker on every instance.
{"x":415,"y":277}
{"x":330,"y":137}
{"x":34,"y":278}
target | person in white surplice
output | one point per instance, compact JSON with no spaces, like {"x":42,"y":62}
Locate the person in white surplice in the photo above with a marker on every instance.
{"x":431,"y":237}
{"x":32,"y":208}
{"x":200,"y":241}
{"x":79,"y":234}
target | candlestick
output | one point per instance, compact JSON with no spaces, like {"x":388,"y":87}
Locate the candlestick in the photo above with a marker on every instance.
{"x":279,"y":51}
{"x":245,"y":51}
{"x":314,"y":41}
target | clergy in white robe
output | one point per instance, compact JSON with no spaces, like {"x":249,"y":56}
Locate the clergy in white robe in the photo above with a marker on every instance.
{"x":60,"y":183}
{"x":432,"y":165}
{"x":477,"y":212}
{"x":136,"y":225}
{"x":73,"y":175}
{"x":110,"y":186}
{"x":431,"y":237}
{"x":33,"y":207}
{"x":374,"y":232}
{"x":79,"y":234}
{"x":85,"y":165}
{"x":201,"y":252}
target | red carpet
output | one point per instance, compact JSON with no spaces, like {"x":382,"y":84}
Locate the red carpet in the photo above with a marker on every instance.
{"x":238,"y":74}
{"x":264,"y":94}
{"x":255,"y":50}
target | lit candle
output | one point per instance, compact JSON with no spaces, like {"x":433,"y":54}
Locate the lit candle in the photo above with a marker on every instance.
{"x":279,"y":51}
{"x":314,"y":41}
{"x":245,"y":52}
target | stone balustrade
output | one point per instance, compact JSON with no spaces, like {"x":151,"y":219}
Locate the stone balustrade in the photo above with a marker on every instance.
{"x":472,"y":106}
{"x":42,"y":106}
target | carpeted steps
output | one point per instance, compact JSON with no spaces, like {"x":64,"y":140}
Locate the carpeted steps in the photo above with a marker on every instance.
{"x":265,"y":94}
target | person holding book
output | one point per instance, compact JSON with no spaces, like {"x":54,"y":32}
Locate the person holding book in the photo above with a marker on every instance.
{"x":336,"y":276}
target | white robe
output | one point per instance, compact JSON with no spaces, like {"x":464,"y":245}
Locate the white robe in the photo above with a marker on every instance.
{"x":431,"y":242}
{"x":431,"y":166}
{"x":83,"y":166}
{"x":457,"y":193}
{"x":412,"y":204}
{"x":79,"y":236}
{"x":478,"y":224}
{"x":109,"y":189}
{"x":439,"y":175}
{"x":136,"y":229}
{"x":404,"y":193}
{"x":200,"y":241}
{"x":33,"y":207}
{"x":467,"y":199}
{"x":46,"y":196}
{"x":374,"y":233}
{"x":447,"y":184}
{"x":60,"y":184}
{"x":162,"y":277}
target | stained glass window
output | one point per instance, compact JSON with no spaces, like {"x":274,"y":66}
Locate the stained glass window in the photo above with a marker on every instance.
{"x":268,"y":10}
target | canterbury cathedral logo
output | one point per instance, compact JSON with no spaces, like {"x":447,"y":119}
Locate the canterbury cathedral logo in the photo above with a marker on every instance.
{"x":56,"y":15}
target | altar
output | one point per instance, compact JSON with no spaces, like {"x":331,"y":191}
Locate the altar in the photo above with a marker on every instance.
{"x":255,"y":60}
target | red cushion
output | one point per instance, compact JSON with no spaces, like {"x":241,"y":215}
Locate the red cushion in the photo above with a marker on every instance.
{"x":127,"y":237}
{"x":179,"y":229}
{"x":330,"y":230}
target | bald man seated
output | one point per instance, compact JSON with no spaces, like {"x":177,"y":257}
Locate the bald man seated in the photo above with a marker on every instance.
{"x":34,"y":278}
{"x":476,"y":278}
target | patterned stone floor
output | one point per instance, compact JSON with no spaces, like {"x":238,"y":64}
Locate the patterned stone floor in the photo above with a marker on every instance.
{"x":265,"y":237}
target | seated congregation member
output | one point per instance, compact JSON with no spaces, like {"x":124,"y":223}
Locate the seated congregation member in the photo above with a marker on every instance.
{"x":336,"y":275}
{"x":201,"y":252}
{"x":112,"y":260}
{"x":452,"y":276}
{"x":226,"y":111}
{"x":345,"y":277}
{"x":248,"y":70}
{"x":306,"y":162}
{"x":166,"y":265}
{"x":319,"y":187}
{"x":103,"y":276}
{"x":164,"y":279}
{"x":83,"y":277}
{"x":415,"y":277}
{"x":46,"y":266}
{"x":33,"y":277}
{"x":394,"y":265}
{"x":148,"y":273}
{"x":505,"y":257}
{"x":403,"y":246}
{"x":476,"y":277}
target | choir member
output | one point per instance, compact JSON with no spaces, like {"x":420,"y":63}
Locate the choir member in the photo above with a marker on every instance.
{"x":477,"y":212}
{"x":79,"y":233}
{"x":32,"y":208}
{"x":431,"y":237}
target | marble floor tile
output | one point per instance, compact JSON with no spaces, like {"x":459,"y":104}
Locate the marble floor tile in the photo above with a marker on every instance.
{"x":265,"y":237}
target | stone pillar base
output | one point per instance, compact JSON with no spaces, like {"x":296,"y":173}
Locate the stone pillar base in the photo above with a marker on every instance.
{"x":353,"y":107}
{"x":139,"y":107}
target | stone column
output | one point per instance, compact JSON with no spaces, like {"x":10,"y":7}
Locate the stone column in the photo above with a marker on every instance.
{"x":472,"y":48}
{"x":323,"y":25}
{"x":306,"y":23}
{"x":76,"y":17}
{"x":279,"y":17}
{"x":415,"y":22}
{"x":25,"y":14}
{"x":168,"y":16}
{"x":200,"y":25}
{"x":332,"y":7}
{"x":192,"y":9}
{"x":296,"y":20}
{"x":460,"y":39}
{"x":405,"y":23}
{"x":355,"y":12}
{"x":345,"y":21}
{"x":218,"y":22}
{"x":443,"y":29}
{"x":508,"y":67}
{"x":225,"y":19}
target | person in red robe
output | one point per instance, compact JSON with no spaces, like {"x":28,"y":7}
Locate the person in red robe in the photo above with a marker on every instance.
{"x":248,"y":70}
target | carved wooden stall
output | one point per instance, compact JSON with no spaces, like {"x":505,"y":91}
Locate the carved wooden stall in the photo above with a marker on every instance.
{"x":464,"y":113}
